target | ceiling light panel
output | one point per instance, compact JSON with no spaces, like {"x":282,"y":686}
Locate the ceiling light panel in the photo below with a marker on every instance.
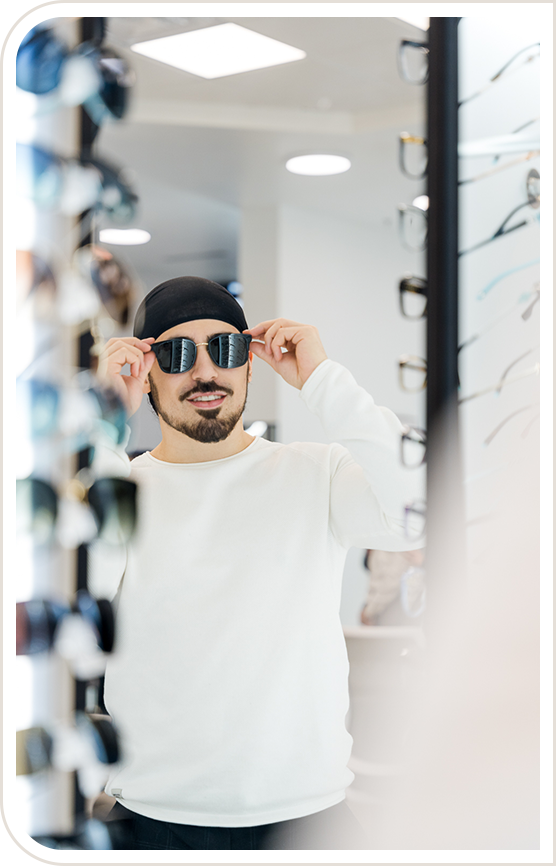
{"x":214,"y":52}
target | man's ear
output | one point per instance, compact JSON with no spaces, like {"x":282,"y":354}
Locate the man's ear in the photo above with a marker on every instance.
{"x":146,"y":385}
{"x":250,"y":376}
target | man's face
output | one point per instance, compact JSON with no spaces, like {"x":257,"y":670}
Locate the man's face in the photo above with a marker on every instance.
{"x":206,"y":402}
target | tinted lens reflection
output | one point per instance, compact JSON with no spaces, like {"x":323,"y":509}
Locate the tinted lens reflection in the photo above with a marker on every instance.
{"x":113,"y":502}
{"x":37,"y":509}
{"x":229,"y":350}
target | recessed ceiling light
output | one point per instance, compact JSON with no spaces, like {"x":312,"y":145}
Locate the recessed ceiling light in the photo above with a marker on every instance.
{"x":422,"y":202}
{"x":318,"y":164}
{"x":127,"y":237}
{"x":214,"y":52}
{"x":417,"y":20}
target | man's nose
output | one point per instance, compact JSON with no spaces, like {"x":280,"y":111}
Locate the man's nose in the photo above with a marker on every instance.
{"x":204,"y":368}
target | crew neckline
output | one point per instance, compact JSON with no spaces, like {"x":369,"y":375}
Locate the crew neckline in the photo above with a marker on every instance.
{"x":251,"y":445}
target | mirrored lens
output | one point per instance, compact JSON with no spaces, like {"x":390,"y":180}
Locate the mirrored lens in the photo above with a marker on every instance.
{"x":175,"y":356}
{"x":413,"y":297}
{"x":414,"y":61}
{"x":229,"y":350}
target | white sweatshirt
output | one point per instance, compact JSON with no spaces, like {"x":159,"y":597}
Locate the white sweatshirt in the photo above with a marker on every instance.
{"x":229,"y":684}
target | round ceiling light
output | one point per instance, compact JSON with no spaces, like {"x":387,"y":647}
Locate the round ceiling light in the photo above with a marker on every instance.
{"x":127,"y":237}
{"x":318,"y":164}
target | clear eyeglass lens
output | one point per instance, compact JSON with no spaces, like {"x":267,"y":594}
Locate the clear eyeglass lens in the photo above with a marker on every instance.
{"x":414,"y":62}
{"x":414,"y":157}
{"x":413,"y":375}
{"x":414,"y":228}
{"x":413,"y":449}
{"x":414,"y":303}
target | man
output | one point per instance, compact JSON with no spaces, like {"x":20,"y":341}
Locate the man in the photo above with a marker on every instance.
{"x":229,"y":684}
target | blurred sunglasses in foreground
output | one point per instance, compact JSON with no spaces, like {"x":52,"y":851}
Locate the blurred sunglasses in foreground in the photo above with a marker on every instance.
{"x":90,"y":75}
{"x":38,"y":622}
{"x":72,"y":186}
{"x":106,"y":510}
{"x":40,"y":748}
{"x":225,"y":350}
{"x":75,"y":415}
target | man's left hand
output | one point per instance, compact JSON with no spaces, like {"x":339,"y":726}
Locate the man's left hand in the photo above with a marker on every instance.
{"x":303,"y":348}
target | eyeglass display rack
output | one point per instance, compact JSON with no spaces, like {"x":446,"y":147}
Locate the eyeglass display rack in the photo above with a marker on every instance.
{"x":483,"y":286}
{"x":499,"y":300}
{"x":482,"y":289}
{"x":445,"y":537}
{"x":64,"y":738}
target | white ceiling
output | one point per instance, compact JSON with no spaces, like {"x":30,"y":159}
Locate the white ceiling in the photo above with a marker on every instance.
{"x":199,"y":151}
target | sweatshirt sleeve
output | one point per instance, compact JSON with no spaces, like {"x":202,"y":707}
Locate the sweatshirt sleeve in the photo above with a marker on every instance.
{"x":369,"y":483}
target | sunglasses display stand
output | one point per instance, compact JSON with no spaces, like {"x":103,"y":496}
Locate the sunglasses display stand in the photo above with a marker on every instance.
{"x":64,"y":738}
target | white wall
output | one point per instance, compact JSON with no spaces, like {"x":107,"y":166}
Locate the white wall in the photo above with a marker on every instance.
{"x":341,"y":276}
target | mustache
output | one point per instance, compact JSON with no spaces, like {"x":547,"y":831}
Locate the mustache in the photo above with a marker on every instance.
{"x":205,"y":388}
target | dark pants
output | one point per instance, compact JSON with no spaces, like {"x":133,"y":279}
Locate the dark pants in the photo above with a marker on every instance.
{"x":332,"y":829}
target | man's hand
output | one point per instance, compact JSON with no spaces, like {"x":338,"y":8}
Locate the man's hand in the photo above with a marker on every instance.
{"x":304,"y":350}
{"x":127,"y":350}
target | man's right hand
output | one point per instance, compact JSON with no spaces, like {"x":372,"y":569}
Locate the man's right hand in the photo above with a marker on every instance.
{"x":119,"y":351}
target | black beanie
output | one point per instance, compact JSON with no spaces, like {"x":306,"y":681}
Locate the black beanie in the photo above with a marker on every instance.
{"x":184,"y":299}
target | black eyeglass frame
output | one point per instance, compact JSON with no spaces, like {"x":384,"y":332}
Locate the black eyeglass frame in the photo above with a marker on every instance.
{"x":413,"y":286}
{"x":183,"y":352}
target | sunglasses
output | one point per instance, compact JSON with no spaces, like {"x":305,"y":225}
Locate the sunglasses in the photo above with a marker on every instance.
{"x":90,"y":75}
{"x":78,"y":416}
{"x":225,"y":350}
{"x":111,"y":501}
{"x":73,"y":186}
{"x":38,"y":623}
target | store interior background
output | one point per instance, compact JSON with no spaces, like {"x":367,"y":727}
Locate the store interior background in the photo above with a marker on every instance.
{"x":207,"y":161}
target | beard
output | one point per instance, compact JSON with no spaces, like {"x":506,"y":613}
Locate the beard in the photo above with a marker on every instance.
{"x":208,"y":427}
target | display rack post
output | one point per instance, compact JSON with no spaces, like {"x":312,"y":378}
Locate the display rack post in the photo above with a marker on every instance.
{"x":445,"y":530}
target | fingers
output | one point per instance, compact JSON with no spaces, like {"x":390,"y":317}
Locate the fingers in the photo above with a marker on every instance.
{"x":126,"y":350}
{"x":277,"y":333}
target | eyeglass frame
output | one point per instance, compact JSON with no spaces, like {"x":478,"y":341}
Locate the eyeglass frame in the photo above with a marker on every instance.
{"x":407,"y":208}
{"x":406,"y":436}
{"x":414,"y":44}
